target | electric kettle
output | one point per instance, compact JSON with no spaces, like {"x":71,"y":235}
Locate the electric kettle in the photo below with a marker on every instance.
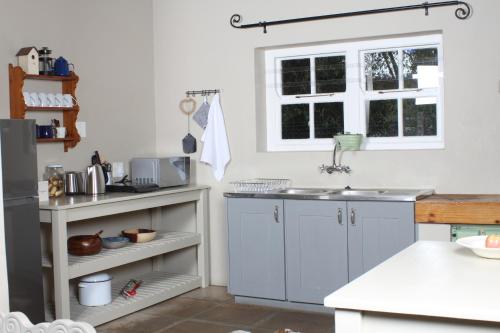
{"x":96,"y":177}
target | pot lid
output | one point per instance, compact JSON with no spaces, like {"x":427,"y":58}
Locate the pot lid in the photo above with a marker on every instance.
{"x":100,"y":277}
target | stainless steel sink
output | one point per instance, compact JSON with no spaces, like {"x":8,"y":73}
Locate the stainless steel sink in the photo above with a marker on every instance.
{"x":305,"y":191}
{"x":337,"y":194}
{"x":364,"y":193}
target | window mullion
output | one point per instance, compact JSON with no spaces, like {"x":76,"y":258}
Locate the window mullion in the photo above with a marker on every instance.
{"x":400,"y":117}
{"x":311,"y":121}
{"x":400,"y":69}
{"x":313,"y":75}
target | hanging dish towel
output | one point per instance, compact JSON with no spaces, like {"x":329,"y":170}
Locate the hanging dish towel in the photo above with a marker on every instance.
{"x":215,"y":145}
{"x":201,"y":116}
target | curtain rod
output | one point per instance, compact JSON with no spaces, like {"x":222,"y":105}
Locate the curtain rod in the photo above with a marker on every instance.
{"x":460,"y":13}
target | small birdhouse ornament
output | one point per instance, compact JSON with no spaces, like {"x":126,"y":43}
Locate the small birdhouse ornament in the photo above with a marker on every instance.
{"x":27,"y":59}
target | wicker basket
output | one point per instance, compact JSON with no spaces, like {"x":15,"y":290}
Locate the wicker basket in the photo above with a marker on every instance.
{"x":349,"y":141}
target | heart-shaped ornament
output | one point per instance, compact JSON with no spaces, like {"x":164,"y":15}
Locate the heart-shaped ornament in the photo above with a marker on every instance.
{"x":187,"y":105}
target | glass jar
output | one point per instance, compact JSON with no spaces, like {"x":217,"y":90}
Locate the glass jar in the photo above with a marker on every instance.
{"x":54,"y":174}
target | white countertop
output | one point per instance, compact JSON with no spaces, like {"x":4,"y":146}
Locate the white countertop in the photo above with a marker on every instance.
{"x":439,"y":279}
{"x":75,"y":201}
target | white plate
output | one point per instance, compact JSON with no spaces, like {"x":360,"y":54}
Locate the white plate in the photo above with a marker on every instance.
{"x":477,"y":245}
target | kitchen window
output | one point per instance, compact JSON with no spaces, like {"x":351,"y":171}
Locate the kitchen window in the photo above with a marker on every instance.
{"x":390,"y":90}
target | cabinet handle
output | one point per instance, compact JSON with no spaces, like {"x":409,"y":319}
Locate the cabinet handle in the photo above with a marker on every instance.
{"x":276,"y":214}
{"x":353,"y":216}
{"x":339,"y":216}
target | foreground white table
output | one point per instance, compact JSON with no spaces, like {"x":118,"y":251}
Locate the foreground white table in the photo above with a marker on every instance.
{"x":430,"y":287}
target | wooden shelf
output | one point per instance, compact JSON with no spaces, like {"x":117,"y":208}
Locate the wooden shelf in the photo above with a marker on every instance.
{"x":156,"y":287}
{"x":71,"y":77}
{"x":52,"y":140}
{"x":18,"y":107}
{"x":48,"y":108}
{"x":109,"y":258}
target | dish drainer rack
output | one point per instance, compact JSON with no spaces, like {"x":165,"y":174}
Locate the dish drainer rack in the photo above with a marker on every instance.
{"x":261,"y":184}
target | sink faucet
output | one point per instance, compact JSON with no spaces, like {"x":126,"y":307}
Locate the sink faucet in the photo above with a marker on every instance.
{"x":335,"y":167}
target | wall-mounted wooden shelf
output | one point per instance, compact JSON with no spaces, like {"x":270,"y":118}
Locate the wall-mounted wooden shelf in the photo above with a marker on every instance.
{"x":52,"y":140}
{"x":47,"y":108}
{"x":18,"y":107}
{"x":49,"y":77}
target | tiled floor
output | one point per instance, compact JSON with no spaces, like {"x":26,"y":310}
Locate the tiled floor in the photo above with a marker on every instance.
{"x":212,"y":310}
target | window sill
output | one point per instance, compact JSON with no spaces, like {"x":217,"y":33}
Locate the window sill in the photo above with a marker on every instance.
{"x":368,"y":144}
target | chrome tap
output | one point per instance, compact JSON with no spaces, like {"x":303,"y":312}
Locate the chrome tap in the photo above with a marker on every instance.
{"x":335,"y":167}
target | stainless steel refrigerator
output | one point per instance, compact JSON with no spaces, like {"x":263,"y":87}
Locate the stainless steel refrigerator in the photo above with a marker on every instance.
{"x":22,"y":222}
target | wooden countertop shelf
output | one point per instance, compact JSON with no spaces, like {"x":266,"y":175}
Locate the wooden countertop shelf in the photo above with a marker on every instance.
{"x":459,"y":209}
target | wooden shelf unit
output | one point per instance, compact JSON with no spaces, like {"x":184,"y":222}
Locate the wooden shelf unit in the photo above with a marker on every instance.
{"x":158,"y":284}
{"x":18,"y":107}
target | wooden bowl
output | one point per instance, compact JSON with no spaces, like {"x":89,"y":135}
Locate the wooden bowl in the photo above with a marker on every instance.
{"x":85,"y":245}
{"x":139,"y":235}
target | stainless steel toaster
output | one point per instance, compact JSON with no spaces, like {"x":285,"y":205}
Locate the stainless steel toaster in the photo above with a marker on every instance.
{"x":164,"y":171}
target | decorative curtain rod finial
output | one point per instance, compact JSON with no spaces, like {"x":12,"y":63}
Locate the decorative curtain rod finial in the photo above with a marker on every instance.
{"x":235,"y":19}
{"x":463,"y":13}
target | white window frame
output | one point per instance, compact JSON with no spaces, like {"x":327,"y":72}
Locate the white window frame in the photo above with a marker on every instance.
{"x":354,"y":97}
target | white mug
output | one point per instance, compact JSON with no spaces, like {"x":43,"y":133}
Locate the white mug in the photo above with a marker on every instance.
{"x":44,"y":101}
{"x":68,"y":100}
{"x":27,"y":99}
{"x":35,"y":99}
{"x":60,"y":99}
{"x":60,"y":132}
{"x":52,"y":100}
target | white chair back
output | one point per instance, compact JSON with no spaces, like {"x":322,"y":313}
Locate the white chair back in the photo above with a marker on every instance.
{"x":17,"y":322}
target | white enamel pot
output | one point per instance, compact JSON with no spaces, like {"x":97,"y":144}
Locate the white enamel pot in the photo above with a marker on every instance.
{"x":95,"y":290}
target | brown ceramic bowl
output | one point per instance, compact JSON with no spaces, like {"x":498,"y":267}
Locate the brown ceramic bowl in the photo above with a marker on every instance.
{"x":139,"y":235}
{"x":85,"y":245}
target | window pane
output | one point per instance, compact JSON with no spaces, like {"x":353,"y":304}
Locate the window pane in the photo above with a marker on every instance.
{"x":381,"y":70}
{"x":328,"y":119}
{"x":420,"y":68}
{"x":295,"y":121}
{"x":330,"y":74}
{"x":296,"y":76}
{"x":419,"y":120}
{"x":382,"y":118}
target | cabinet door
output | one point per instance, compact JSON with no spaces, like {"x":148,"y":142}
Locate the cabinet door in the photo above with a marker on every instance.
{"x":377,"y":231}
{"x":316,"y":249}
{"x":256,"y":248}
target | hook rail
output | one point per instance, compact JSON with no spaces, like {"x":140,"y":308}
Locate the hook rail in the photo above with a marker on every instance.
{"x":202,"y":92}
{"x":461,"y":13}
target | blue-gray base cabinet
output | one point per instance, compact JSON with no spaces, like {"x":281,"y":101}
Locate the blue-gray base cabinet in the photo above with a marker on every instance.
{"x":302,"y":250}
{"x":316,"y":249}
{"x":256,"y":248}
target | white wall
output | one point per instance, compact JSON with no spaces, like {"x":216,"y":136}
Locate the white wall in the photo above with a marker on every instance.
{"x":195,"y":48}
{"x":111,"y":44}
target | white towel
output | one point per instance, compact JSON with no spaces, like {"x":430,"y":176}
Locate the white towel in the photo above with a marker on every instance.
{"x":215,"y":145}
